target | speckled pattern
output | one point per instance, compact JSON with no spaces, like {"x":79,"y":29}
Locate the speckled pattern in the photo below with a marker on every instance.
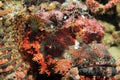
{"x":45,"y":40}
{"x":10,"y":58}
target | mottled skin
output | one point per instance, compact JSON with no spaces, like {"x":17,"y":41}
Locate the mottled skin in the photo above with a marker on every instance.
{"x":48,"y":42}
{"x":91,"y":59}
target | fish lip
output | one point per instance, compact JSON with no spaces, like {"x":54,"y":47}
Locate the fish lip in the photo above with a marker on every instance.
{"x":105,"y":69}
{"x":107,"y":64}
{"x":101,"y":65}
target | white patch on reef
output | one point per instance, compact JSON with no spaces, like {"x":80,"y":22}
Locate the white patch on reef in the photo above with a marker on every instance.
{"x":66,"y":55}
{"x":76,"y":46}
{"x":51,"y":26}
{"x":82,"y":16}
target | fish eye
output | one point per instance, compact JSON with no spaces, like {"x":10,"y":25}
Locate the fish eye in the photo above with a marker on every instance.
{"x":65,"y":17}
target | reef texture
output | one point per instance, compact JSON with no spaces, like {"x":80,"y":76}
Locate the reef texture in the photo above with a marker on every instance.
{"x":67,"y":37}
{"x":97,"y":7}
{"x":12,"y":65}
{"x":10,"y":58}
{"x":49,"y":40}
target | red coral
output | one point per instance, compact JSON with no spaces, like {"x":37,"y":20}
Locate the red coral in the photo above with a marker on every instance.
{"x":95,"y":6}
{"x":34,"y":49}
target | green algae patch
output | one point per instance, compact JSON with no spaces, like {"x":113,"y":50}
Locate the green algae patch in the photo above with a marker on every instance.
{"x":115,"y":52}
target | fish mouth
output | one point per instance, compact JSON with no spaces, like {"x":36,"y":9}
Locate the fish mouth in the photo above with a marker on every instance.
{"x":99,"y":64}
{"x":107,"y":69}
